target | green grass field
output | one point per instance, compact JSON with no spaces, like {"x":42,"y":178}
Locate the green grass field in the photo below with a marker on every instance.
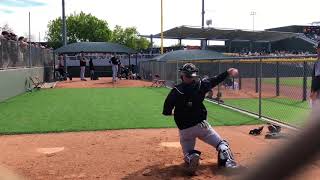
{"x":286,"y":110}
{"x":293,"y":81}
{"x":58,"y":110}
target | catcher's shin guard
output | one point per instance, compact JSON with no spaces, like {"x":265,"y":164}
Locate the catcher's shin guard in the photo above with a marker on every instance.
{"x":225,"y":156}
{"x":192,"y":160}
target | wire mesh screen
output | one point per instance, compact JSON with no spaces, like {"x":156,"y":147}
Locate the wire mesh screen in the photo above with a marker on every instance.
{"x":284,"y":91}
{"x":15,"y":55}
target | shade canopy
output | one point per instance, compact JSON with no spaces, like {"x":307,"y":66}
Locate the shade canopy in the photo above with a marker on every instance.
{"x":189,"y":55}
{"x":186,"y":32}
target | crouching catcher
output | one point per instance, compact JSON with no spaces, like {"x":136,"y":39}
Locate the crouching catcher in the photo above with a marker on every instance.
{"x":190,"y":115}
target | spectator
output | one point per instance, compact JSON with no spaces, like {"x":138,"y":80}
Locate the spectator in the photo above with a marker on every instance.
{"x":132,"y":69}
{"x":82,"y":67}
{"x":91,"y":67}
{"x":315,"y":86}
{"x":22,"y":43}
{"x":115,"y":66}
{"x":6,"y":35}
{"x":61,"y":67}
{"x":13,"y":37}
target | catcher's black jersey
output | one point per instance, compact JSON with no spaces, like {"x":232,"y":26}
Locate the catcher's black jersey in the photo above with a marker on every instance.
{"x":187,"y":101}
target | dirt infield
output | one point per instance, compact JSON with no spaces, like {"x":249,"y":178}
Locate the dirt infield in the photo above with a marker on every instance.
{"x":126,"y":154}
{"x":101,"y":83}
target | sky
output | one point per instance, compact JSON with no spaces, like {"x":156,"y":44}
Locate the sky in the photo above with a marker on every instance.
{"x":145,"y":14}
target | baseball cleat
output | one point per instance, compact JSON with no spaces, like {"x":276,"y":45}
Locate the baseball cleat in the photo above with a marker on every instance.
{"x":193,"y":164}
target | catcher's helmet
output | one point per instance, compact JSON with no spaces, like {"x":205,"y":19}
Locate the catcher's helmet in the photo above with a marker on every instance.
{"x":189,"y":69}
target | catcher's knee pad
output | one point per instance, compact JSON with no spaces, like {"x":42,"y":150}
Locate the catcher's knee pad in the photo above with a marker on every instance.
{"x":225,"y":156}
{"x":274,"y":128}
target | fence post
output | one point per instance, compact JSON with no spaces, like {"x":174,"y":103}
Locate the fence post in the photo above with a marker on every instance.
{"x":256,"y":75}
{"x":305,"y":81}
{"x":240,"y":80}
{"x":260,"y":90}
{"x":218,"y":94}
{"x":277,"y":81}
{"x":1,"y":53}
{"x":233,"y":87}
{"x":177,"y":71}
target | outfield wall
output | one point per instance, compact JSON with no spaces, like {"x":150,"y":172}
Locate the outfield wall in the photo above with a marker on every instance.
{"x":16,"y":81}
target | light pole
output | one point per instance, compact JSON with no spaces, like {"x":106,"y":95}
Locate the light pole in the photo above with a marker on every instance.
{"x":253,"y":13}
{"x":203,"y":42}
{"x":203,"y":12}
{"x":64,"y":34}
{"x":161,"y":26}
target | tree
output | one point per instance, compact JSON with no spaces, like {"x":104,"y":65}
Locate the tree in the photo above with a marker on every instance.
{"x":80,"y":28}
{"x":129,"y":37}
{"x":7,"y":28}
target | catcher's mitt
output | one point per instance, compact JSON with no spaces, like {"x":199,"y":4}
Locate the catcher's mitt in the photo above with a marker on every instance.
{"x":256,"y":131}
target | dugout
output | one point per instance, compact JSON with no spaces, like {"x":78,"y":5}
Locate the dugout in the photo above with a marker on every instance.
{"x":100,"y":52}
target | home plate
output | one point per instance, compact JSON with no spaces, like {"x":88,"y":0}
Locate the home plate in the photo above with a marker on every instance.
{"x":170,"y":144}
{"x":50,"y":150}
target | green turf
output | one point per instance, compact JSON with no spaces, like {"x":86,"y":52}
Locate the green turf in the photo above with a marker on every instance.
{"x":289,"y":81}
{"x":57,"y":110}
{"x":287,"y":110}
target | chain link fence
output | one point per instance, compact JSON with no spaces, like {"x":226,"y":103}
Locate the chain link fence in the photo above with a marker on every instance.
{"x":13,"y":55}
{"x":272,"y":87}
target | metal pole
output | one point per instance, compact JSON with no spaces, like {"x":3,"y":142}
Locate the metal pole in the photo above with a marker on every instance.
{"x":161,"y":26}
{"x":177,"y":70}
{"x":219,"y":70}
{"x":202,"y":17}
{"x":203,"y":42}
{"x":233,"y":87}
{"x":240,"y":79}
{"x":64,"y":34}
{"x":253,"y":13}
{"x":151,"y":43}
{"x":277,"y":81}
{"x":305,"y":81}
{"x":253,"y":22}
{"x":256,"y":75}
{"x":30,"y":63}
{"x":260,"y":90}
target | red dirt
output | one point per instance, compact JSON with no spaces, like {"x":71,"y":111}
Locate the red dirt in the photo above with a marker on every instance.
{"x":126,"y":154}
{"x":101,"y":83}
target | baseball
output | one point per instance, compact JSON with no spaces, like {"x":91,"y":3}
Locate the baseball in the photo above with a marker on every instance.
{"x":233,"y":72}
